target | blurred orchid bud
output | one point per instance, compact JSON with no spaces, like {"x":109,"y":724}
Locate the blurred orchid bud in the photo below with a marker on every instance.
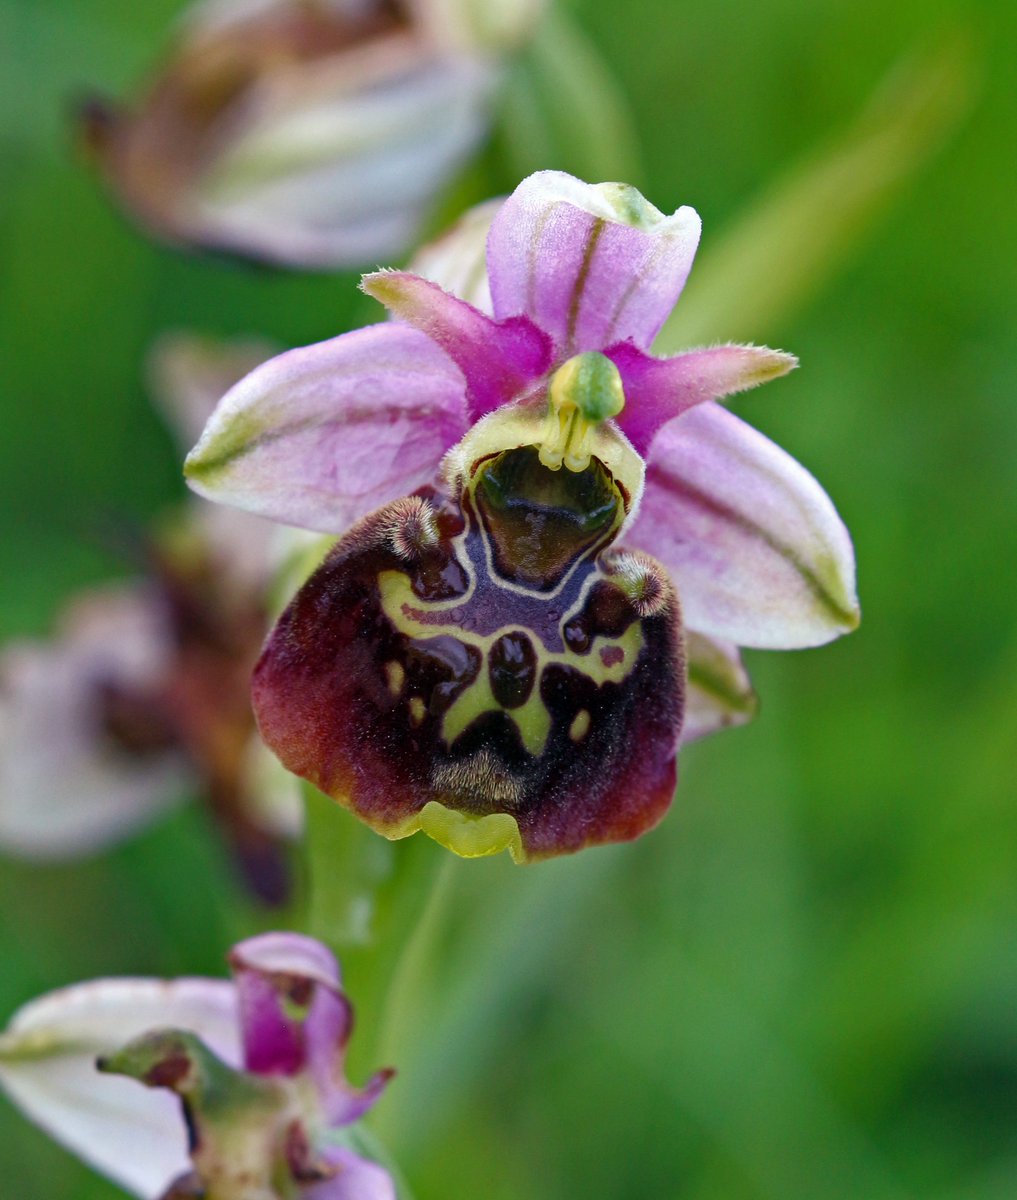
{"x":307,"y":133}
{"x":141,"y":694}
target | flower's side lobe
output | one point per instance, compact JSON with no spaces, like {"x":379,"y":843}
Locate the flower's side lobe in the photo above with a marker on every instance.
{"x":320,"y":436}
{"x":757,"y":550}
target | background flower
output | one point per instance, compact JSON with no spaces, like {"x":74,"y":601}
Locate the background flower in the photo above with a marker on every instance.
{"x":307,"y":134}
{"x":276,"y":1036}
{"x":140,"y":697}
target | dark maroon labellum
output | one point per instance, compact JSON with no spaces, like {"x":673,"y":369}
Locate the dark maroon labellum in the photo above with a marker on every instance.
{"x":494,"y":656}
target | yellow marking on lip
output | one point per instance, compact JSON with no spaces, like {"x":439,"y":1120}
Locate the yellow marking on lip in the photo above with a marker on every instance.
{"x":580,"y":726}
{"x":395,"y":675}
{"x":418,"y":710}
{"x":470,"y":836}
{"x":532,"y":719}
{"x":464,"y":834}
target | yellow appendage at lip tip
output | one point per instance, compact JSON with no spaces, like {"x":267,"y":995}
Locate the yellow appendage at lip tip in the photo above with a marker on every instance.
{"x":470,"y":836}
{"x":583,"y":392}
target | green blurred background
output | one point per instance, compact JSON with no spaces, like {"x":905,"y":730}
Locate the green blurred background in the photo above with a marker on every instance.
{"x":803,"y":986}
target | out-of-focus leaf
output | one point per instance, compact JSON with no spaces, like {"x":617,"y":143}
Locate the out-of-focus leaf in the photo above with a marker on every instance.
{"x":766,"y":1106}
{"x":789,"y":244}
{"x":563,"y":109}
{"x":516,"y":922}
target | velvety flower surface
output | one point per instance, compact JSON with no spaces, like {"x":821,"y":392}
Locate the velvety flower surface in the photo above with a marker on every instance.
{"x":497,"y":659}
{"x":310,"y":133}
{"x":141,"y":695}
{"x":261,"y":1110}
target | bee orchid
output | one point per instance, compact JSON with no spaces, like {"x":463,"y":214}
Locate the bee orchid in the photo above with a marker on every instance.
{"x":553,"y":541}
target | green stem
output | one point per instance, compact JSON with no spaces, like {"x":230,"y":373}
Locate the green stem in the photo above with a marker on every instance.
{"x":406,"y":1001}
{"x":346,"y":865}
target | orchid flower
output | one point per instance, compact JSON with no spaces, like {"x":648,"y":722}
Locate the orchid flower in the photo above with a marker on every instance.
{"x":262,"y":1110}
{"x":308,"y":133}
{"x":141,"y":696}
{"x":573,"y":535}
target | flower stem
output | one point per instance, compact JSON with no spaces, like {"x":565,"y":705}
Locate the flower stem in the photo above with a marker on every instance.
{"x":408,"y":1001}
{"x":346,"y":865}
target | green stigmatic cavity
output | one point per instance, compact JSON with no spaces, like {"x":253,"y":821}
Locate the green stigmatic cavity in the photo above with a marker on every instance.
{"x":512,"y":680}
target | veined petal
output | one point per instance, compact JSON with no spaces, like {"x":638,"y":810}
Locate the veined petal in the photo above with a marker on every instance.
{"x":68,"y":783}
{"x":47,"y":1067}
{"x":320,"y":436}
{"x":312,"y":135}
{"x":499,"y":359}
{"x":295,"y":1017}
{"x":719,"y":692}
{"x":659,"y":389}
{"x":757,"y":550}
{"x":591,"y":264}
{"x":355,"y":1178}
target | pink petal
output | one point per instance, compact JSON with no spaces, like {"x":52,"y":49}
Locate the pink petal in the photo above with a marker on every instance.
{"x":498,"y":359}
{"x":327,"y":147}
{"x":320,"y":173}
{"x":52,"y":732}
{"x":756,"y":548}
{"x":719,"y":693}
{"x":295,"y":1017}
{"x":320,"y":436}
{"x":355,"y":1178}
{"x":47,"y":1067}
{"x":290,"y":1002}
{"x":659,"y":389}
{"x":591,"y":264}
